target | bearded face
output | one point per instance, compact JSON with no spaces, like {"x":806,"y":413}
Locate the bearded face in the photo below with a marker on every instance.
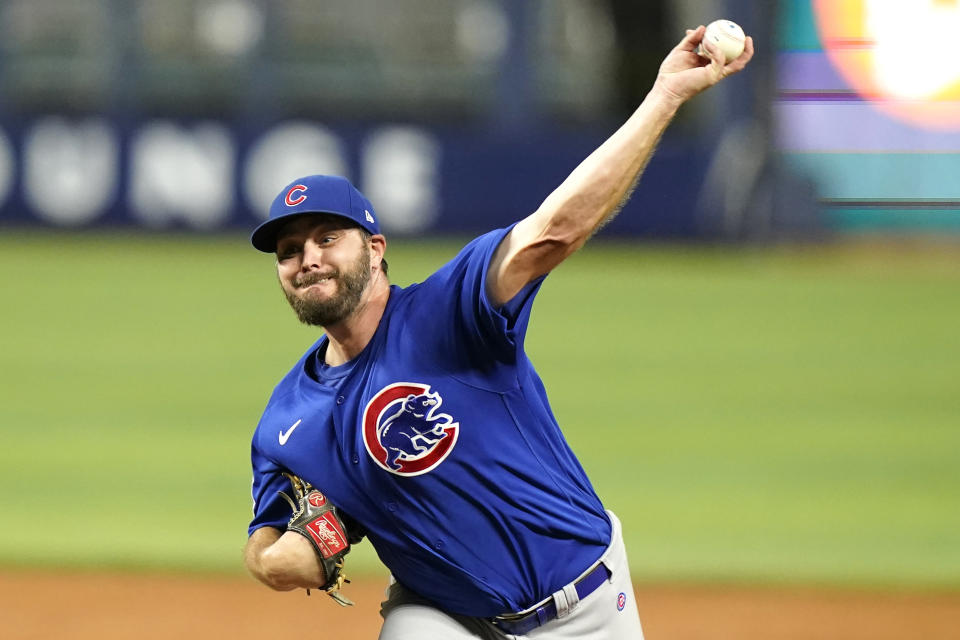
{"x":315,"y":305}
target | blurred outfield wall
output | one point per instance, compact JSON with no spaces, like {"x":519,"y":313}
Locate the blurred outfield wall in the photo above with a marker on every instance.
{"x":453,"y":117}
{"x":457,"y":116}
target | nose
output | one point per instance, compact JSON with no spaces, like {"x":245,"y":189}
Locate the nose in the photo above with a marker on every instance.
{"x":312,"y":256}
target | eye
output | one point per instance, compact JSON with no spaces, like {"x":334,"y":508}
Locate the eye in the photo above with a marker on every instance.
{"x":285,"y":253}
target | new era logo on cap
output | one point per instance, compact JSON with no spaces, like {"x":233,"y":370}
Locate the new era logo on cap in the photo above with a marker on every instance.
{"x":331,"y":195}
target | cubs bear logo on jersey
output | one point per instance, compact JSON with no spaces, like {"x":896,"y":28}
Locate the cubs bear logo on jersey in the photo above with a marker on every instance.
{"x":404,"y":433}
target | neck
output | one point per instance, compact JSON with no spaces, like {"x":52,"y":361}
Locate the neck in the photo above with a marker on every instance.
{"x":352,"y":334}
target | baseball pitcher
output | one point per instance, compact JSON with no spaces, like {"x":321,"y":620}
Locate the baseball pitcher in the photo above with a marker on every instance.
{"x":417,"y":420}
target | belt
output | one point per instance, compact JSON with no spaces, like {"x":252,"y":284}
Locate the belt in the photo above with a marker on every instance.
{"x":525,"y":621}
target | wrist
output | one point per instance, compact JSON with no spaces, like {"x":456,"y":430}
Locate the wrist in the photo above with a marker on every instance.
{"x":663,"y":99}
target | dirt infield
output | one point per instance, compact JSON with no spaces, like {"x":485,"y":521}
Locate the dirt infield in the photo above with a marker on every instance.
{"x":35,"y":606}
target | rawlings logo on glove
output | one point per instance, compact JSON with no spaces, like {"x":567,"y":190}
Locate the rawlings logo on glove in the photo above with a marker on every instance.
{"x":319,"y":522}
{"x":328,"y":535}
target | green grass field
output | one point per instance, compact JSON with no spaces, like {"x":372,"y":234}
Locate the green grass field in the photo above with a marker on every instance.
{"x":753,"y":415}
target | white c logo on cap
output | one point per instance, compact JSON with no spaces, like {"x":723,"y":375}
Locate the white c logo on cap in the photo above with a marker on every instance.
{"x":294,"y":201}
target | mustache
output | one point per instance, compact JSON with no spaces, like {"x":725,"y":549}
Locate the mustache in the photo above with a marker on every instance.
{"x":314,"y":277}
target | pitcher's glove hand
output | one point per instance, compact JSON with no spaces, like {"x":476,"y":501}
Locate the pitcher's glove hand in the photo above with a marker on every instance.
{"x":317,"y":520}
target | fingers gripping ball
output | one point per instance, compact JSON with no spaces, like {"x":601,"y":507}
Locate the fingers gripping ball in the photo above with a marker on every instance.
{"x":728,"y":36}
{"x":316,"y":519}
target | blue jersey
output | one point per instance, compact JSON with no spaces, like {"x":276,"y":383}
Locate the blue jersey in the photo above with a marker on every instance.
{"x":438,"y":439}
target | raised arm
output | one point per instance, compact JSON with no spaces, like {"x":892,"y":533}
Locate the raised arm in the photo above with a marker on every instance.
{"x":598,"y":187}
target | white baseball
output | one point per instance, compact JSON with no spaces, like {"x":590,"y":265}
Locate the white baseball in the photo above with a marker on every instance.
{"x":728,"y":36}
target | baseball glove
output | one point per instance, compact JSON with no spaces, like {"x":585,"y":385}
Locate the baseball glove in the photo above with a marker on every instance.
{"x":322,"y":524}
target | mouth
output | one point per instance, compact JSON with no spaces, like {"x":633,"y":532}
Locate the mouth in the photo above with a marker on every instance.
{"x":314,"y":282}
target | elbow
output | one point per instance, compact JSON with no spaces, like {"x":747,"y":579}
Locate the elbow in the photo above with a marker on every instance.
{"x":565,"y":231}
{"x":276,"y":571}
{"x":541,"y":256}
{"x":560,"y":239}
{"x":569,"y":225}
{"x":271,"y":570}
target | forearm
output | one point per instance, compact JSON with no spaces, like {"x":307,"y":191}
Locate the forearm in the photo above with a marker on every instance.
{"x":589,"y":196}
{"x":283,"y":560}
{"x":603,"y":181}
{"x":596,"y":189}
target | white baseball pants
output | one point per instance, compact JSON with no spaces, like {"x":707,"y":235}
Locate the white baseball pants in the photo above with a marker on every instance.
{"x":609,"y":613}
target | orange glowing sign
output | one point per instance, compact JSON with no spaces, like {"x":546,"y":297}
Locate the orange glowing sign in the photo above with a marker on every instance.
{"x":900,"y":55}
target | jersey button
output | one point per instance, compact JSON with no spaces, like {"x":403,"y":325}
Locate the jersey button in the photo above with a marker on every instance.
{"x":340,"y":399}
{"x":356,"y":459}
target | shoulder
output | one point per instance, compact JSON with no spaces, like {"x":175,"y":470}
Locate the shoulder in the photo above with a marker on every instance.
{"x":470,"y":263}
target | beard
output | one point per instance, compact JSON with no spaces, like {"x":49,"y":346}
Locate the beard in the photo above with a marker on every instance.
{"x":329,"y":311}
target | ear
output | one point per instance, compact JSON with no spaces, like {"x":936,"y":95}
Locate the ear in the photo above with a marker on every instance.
{"x":378,"y":247}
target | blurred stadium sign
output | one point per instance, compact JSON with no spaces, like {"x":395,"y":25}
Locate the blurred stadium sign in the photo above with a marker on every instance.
{"x":208,"y":175}
{"x":869,"y":108}
{"x":167,"y":174}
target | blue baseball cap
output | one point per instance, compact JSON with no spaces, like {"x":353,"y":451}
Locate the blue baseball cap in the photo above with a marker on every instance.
{"x":332,"y":195}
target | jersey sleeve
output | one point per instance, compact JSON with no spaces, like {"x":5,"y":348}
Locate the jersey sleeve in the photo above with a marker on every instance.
{"x":269,"y":509}
{"x":454,"y":306}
